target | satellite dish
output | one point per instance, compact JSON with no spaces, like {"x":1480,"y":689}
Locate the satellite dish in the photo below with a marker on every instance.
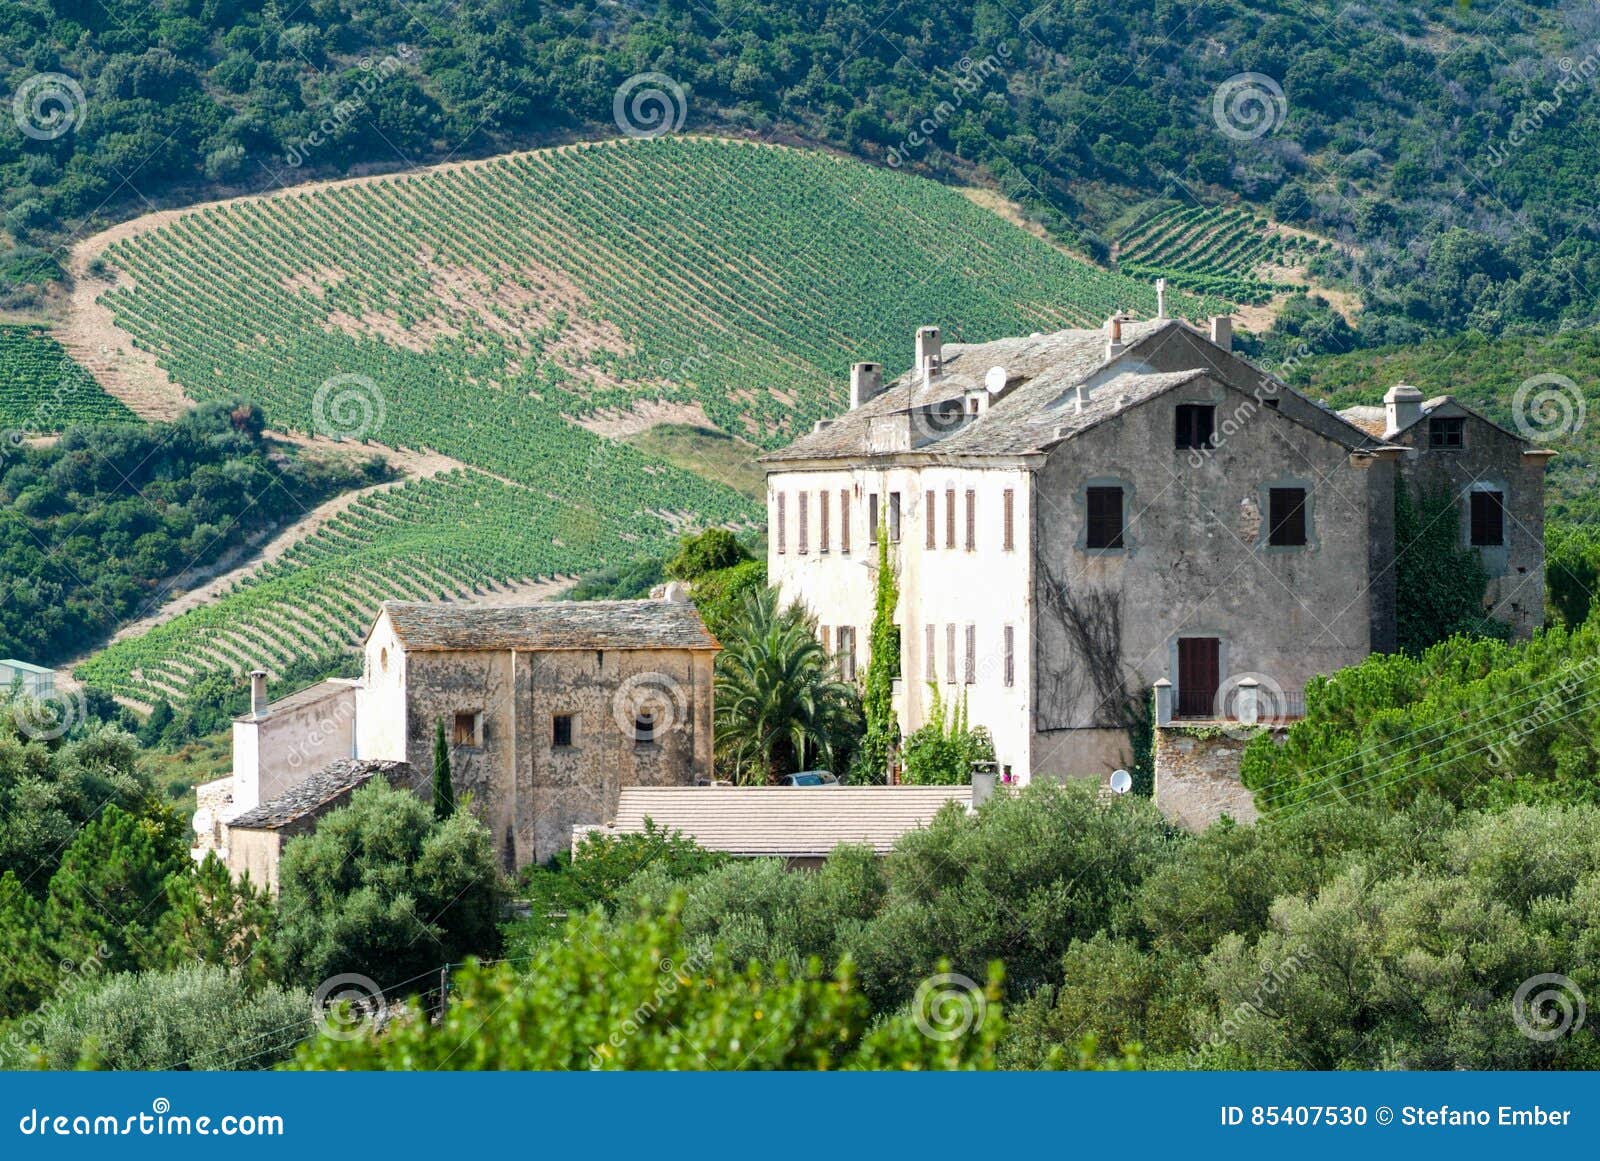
{"x":1121,"y":782}
{"x":995,"y":380}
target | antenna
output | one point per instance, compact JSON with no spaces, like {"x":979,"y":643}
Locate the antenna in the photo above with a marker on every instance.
{"x":1121,"y":782}
{"x":995,"y":380}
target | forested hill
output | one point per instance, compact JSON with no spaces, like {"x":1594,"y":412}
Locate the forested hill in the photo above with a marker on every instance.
{"x":1451,"y":143}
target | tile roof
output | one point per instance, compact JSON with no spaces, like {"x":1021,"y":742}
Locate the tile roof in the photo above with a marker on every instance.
{"x":321,"y":789}
{"x":311,"y":695}
{"x":785,"y":822}
{"x":451,"y":625}
{"x":1370,"y":419}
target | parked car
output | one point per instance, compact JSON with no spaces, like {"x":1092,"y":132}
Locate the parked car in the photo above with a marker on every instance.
{"x":809,"y":778}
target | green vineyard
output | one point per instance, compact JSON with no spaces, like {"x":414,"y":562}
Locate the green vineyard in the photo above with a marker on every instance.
{"x":1212,"y":250}
{"x":42,"y":390}
{"x":487,"y":311}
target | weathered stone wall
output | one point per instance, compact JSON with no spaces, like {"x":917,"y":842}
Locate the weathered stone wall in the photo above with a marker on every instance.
{"x":1197,"y":775}
{"x":256,"y":853}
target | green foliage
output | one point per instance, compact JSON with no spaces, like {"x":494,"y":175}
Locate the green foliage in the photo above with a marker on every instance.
{"x":1571,"y":571}
{"x":444,"y":786}
{"x":384,"y":889}
{"x":1439,"y":584}
{"x":91,"y":526}
{"x":604,"y":865}
{"x":710,"y":551}
{"x":883,"y":667}
{"x":779,"y":705}
{"x":1211,"y":249}
{"x":665,"y":1005}
{"x":212,"y":919}
{"x":720,"y":596}
{"x":942,"y":752}
{"x":42,"y":390}
{"x":105,"y":900}
{"x":26,"y":975}
{"x":195,"y":1017}
{"x":1478,"y":722}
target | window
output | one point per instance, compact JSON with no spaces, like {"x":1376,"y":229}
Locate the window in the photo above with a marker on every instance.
{"x":561,"y":730}
{"x":1286,"y":517}
{"x":894,"y":517}
{"x":1105,"y":518}
{"x":950,"y":518}
{"x":822,"y":521}
{"x":783,"y":542}
{"x":1273,"y":402}
{"x":970,"y":669}
{"x":644,"y":727}
{"x":822,"y":635}
{"x":1447,"y":432}
{"x":1195,"y":425}
{"x":930,"y":514}
{"x":847,"y":652}
{"x":805,"y":521}
{"x":930,"y":662}
{"x":1488,"y":519}
{"x":1011,"y":657}
{"x":872,"y":517}
{"x":844,"y":521}
{"x":950,"y":654}
{"x":1007,"y":518}
{"x":466,"y":731}
{"x":972,"y":519}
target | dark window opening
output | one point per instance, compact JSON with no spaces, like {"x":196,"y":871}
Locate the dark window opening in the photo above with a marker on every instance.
{"x":1195,"y":425}
{"x":1447,"y":432}
{"x":465,"y":732}
{"x":1286,"y":517}
{"x":644,"y":727}
{"x":1272,"y":402}
{"x":1199,"y":676}
{"x":1105,"y":518}
{"x":1488,"y":519}
{"x":872,"y":517}
{"x":894,"y":517}
{"x":561,"y":730}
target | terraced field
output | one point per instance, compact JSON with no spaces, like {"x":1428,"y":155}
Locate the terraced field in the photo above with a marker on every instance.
{"x":42,"y":390}
{"x":497,"y":312}
{"x":1215,"y":250}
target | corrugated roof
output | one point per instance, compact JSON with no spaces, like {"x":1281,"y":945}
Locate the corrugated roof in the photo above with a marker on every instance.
{"x":24,"y":666}
{"x":449,"y":625}
{"x":316,"y":792}
{"x":785,"y":822}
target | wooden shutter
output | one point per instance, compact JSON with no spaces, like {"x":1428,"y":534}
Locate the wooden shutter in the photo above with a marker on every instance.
{"x":783,"y":507}
{"x":930,"y":663}
{"x":844,"y":521}
{"x":1105,"y":518}
{"x":930,"y":516}
{"x":971,"y":659}
{"x":1286,"y":516}
{"x":804,"y":535}
{"x":950,"y":518}
{"x":1008,"y":516}
{"x":972,"y":519}
{"x":950,"y":654}
{"x":1011,"y":660}
{"x":822,"y":521}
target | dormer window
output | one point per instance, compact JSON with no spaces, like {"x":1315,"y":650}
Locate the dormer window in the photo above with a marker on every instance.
{"x":1195,"y":424}
{"x":1447,"y":432}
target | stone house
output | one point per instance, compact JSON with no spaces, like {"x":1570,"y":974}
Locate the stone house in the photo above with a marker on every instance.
{"x":549,"y":709}
{"x":1076,"y":516}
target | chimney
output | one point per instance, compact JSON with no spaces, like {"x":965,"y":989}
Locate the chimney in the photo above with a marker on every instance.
{"x":258,"y":693}
{"x":1114,"y":335}
{"x":928,"y":352}
{"x":1402,"y":406}
{"x":866,"y":382}
{"x":1222,"y":331}
{"x":1161,"y":298}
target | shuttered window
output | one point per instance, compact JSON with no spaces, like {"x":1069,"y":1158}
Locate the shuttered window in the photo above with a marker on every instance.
{"x":972,"y":519}
{"x":805,"y":513}
{"x":950,"y":518}
{"x":971,"y":658}
{"x":1286,"y":517}
{"x":1008,"y":517}
{"x":844,"y":521}
{"x":1011,"y":656}
{"x":894,"y":517}
{"x":1488,"y":519}
{"x":930,"y":519}
{"x":1105,"y":518}
{"x":930,"y":663}
{"x":822,"y":521}
{"x":783,"y":507}
{"x":950,"y":654}
{"x":872,"y":518}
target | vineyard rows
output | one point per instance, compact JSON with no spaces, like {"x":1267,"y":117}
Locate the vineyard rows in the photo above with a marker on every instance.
{"x":1212,"y":250}
{"x":42,"y":390}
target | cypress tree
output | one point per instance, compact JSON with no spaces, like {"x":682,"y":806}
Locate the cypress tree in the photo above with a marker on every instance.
{"x":883,"y":666}
{"x":444,"y":790}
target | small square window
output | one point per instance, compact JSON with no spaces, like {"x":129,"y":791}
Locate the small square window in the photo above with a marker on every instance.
{"x":467,"y":728}
{"x":1105,"y":518}
{"x":1196,"y":422}
{"x":561,"y":730}
{"x":1488,"y":518}
{"x":1286,"y":517}
{"x":1447,"y":432}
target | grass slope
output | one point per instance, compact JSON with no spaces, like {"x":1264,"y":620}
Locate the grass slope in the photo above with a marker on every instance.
{"x":488,"y":311}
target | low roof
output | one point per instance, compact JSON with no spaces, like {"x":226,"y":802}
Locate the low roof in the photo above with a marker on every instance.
{"x":333,"y":687}
{"x":781,"y":821}
{"x":24,"y":666}
{"x":452,"y":626}
{"x":1375,"y":419}
{"x":315,"y":794}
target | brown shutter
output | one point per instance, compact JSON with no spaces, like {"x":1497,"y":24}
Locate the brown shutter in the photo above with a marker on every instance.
{"x":805,"y":512}
{"x":822,"y":520}
{"x":783,"y":543}
{"x":930,"y":663}
{"x":950,"y":518}
{"x":972,"y":519}
{"x":1011,"y":659}
{"x":930,"y":516}
{"x":844,"y":521}
{"x":972,"y":654}
{"x":1009,"y":516}
{"x":950,"y":654}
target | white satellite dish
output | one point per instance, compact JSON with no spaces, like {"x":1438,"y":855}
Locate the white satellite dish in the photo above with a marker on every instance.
{"x":995,"y":380}
{"x":1121,"y":782}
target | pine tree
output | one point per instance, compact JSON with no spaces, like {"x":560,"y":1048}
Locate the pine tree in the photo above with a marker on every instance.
{"x":26,"y":978}
{"x":444,"y":790}
{"x":883,"y":666}
{"x":211,"y":919}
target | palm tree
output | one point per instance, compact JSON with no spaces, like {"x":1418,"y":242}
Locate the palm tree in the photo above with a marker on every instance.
{"x":780,"y":703}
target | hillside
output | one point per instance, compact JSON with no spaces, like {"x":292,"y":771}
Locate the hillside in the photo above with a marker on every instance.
{"x":42,"y":389}
{"x":1552,"y":382}
{"x":1449,"y":143}
{"x":531,"y":317}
